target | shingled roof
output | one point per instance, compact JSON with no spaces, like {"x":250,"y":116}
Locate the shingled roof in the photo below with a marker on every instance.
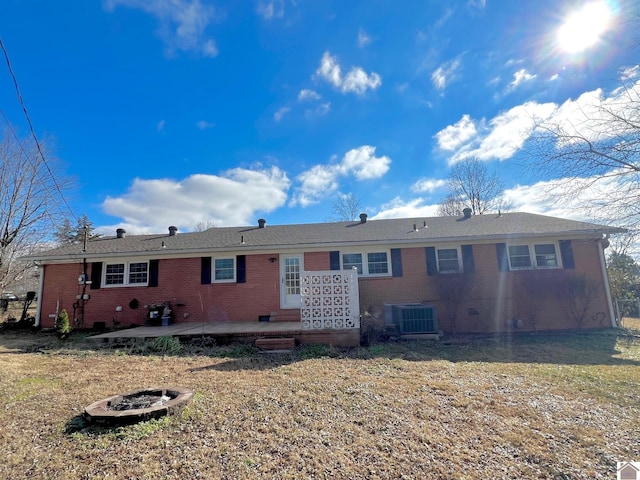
{"x":333,"y":235}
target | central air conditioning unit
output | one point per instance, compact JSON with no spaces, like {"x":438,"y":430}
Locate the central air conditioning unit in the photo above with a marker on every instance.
{"x":416,"y":318}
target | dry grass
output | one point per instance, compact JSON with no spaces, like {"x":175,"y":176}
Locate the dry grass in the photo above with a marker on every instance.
{"x":559,"y":407}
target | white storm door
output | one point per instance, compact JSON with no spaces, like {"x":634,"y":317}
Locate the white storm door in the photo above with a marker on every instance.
{"x":291,"y":266}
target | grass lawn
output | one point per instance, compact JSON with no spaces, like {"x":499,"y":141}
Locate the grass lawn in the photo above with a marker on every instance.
{"x":559,"y":406}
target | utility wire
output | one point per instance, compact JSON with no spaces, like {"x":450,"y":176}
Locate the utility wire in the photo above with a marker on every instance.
{"x":33,"y":133}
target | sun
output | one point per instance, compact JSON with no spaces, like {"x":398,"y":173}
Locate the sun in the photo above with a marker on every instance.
{"x":583,"y":28}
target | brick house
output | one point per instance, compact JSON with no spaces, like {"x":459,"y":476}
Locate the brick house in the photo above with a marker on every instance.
{"x":484,"y":273}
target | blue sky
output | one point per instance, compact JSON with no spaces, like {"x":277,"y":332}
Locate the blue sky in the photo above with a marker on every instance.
{"x":174,"y":112}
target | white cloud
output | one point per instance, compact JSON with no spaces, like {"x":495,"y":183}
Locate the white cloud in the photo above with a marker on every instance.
{"x":182,"y":23}
{"x":203,"y":124}
{"x":453,"y":136}
{"x":445,"y":73}
{"x":319,"y":111}
{"x":318,"y":182}
{"x":234,"y":198}
{"x":363,"y":38}
{"x":308,"y":95}
{"x":499,"y":138}
{"x":270,"y":10}
{"x":428,"y":185}
{"x":356,"y":80}
{"x":363,"y":164}
{"x":280,"y":113}
{"x":592,"y":202}
{"x":398,"y":208}
{"x":160,"y":125}
{"x":520,"y":77}
{"x":321,"y":181}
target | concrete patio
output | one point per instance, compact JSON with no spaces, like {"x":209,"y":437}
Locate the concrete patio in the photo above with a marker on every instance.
{"x":238,"y":331}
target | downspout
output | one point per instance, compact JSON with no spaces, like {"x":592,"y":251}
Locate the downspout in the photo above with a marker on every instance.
{"x":605,"y":278}
{"x":40,"y":289}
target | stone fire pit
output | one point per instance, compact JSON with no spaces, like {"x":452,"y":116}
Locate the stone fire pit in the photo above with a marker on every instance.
{"x":137,"y":406}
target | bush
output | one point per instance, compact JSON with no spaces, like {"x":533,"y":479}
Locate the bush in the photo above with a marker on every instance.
{"x":166,"y":345}
{"x":63,"y":326}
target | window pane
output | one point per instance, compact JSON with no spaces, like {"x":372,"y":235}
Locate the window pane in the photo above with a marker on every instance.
{"x":138,"y":272}
{"x":519,"y":256}
{"x":448,"y":260}
{"x":114,"y":274}
{"x":546,"y":255}
{"x":377,"y":263}
{"x":224,"y":269}
{"x":350,"y":260}
{"x":292,"y":275}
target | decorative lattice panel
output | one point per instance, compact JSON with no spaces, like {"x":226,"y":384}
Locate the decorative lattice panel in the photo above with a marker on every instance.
{"x":330,"y":299}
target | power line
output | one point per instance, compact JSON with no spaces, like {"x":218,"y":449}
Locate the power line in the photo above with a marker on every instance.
{"x":33,"y":133}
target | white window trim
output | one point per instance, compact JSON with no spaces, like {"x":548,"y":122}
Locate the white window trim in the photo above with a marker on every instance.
{"x":127,"y":273}
{"x":458,"y":253}
{"x":213,"y":269}
{"x":365,"y":261}
{"x":532,"y":255}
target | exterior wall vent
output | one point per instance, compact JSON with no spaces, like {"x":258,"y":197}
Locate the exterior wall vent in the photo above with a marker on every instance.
{"x":415,"y":318}
{"x":121,"y":233}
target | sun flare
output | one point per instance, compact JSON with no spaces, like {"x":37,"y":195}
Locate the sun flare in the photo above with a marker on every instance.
{"x":583,"y":28}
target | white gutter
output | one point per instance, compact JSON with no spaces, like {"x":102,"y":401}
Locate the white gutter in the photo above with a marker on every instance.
{"x":605,"y":278}
{"x":40,"y":290}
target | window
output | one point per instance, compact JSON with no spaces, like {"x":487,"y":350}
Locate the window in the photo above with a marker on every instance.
{"x":138,"y":273}
{"x":448,"y":260}
{"x":544,"y":256}
{"x":224,"y":270}
{"x":114,"y":274}
{"x":350,"y":260}
{"x":377,"y":263}
{"x":519,"y":256}
{"x":125,"y":274}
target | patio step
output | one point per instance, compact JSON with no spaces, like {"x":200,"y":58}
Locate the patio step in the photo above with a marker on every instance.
{"x":281,"y":343}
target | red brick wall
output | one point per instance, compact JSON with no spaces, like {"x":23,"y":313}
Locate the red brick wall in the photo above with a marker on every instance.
{"x":495,"y":297}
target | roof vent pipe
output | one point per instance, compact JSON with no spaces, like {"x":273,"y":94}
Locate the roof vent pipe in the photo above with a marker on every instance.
{"x":121,"y":233}
{"x":173,"y":230}
{"x":363,"y":218}
{"x":261,"y":222}
{"x":467,"y":212}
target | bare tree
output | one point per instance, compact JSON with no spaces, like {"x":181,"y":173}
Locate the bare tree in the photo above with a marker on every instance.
{"x":593,"y":146}
{"x":29,"y":201}
{"x":576,"y":296}
{"x":203,"y":225}
{"x":470,"y":185}
{"x":453,"y":290}
{"x":346,"y":207}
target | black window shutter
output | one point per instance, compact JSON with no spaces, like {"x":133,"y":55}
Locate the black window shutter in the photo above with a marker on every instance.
{"x":96,"y":275}
{"x":153,"y":273}
{"x":241,"y":268}
{"x":467,"y":259}
{"x":205,"y":270}
{"x":432,"y":264}
{"x":396,"y":262}
{"x":503,"y":260}
{"x":334,"y":260}
{"x":566,"y":252}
